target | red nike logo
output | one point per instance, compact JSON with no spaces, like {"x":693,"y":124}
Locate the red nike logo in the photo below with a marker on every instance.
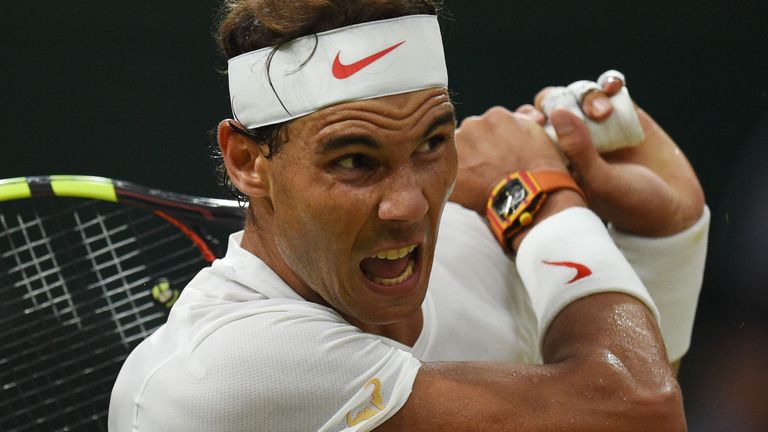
{"x":342,"y":71}
{"x":582,"y":271}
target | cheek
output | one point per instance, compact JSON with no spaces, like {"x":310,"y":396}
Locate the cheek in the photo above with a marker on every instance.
{"x":318,"y":225}
{"x":442,"y":176}
{"x":453,"y":168}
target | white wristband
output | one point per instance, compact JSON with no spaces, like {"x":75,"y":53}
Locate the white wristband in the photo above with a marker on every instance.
{"x":569,"y":256}
{"x":672,"y":269}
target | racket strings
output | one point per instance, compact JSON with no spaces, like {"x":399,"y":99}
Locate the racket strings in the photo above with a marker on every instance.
{"x":44,"y":266}
{"x":76,"y":286}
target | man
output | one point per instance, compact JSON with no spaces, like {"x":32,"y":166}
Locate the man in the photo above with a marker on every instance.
{"x":319,"y":317}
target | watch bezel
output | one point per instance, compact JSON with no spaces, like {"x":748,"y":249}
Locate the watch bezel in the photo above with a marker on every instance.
{"x":504,"y":224}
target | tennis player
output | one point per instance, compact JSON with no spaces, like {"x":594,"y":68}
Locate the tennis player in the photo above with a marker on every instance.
{"x":340,"y":308}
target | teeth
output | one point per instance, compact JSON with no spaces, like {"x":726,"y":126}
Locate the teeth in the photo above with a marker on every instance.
{"x":393,"y":254}
{"x":395,"y":280}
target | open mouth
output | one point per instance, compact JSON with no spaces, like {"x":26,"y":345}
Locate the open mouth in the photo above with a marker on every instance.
{"x":390,"y":267}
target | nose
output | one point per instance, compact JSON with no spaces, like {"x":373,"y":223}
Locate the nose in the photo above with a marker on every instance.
{"x":404,"y":199}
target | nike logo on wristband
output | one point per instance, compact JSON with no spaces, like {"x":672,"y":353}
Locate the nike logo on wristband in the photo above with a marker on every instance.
{"x":342,"y":71}
{"x":582,"y":271}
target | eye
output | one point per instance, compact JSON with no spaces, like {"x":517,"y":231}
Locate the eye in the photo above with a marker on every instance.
{"x":355,"y":161}
{"x":432,"y":144}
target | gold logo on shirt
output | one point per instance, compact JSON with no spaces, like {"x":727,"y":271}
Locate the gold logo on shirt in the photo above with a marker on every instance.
{"x":369,"y":411}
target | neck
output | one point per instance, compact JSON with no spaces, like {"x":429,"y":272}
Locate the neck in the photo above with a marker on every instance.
{"x":260,"y":242}
{"x":405,"y":331}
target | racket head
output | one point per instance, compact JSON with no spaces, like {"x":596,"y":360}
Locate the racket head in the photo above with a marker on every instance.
{"x":85,"y":275}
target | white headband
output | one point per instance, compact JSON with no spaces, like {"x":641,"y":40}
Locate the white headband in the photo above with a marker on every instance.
{"x":358,"y":62}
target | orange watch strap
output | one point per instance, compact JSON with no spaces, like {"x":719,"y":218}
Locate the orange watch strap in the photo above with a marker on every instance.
{"x":539,"y":183}
{"x":556,"y":180}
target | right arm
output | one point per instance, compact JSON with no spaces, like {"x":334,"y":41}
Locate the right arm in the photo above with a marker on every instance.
{"x":605,"y":367}
{"x":605,"y":370}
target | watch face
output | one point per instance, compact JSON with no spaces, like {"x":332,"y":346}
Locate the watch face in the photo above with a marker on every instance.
{"x":509,"y":198}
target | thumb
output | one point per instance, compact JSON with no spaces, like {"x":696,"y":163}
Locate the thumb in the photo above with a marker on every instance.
{"x":576,"y":143}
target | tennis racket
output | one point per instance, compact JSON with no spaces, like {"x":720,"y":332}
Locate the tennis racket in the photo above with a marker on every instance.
{"x":89,"y":267}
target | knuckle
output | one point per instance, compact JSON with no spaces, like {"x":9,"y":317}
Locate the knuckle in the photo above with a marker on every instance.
{"x":497,"y":113}
{"x":526,"y":108}
{"x":468,"y":122}
{"x":593,"y":94}
{"x":541,"y":95}
{"x":525,"y":120}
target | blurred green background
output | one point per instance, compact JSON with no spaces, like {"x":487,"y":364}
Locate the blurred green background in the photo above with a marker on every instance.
{"x":131,"y":90}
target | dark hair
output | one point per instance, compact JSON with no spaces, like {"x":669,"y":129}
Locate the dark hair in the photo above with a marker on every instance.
{"x":248,"y":25}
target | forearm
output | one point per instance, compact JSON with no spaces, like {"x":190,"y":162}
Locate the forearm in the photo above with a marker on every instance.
{"x":605,"y":371}
{"x":626,"y":379}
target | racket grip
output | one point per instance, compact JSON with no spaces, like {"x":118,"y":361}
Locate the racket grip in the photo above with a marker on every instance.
{"x":620,"y":130}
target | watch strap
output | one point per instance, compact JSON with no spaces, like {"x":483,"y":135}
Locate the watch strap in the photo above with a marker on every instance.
{"x":550,"y":181}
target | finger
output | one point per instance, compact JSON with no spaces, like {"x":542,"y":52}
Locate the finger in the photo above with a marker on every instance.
{"x":539,"y":99}
{"x":593,"y":102}
{"x":531,"y":112}
{"x":611,"y":82}
{"x":612,"y":85}
{"x":597,"y":106}
{"x":575,"y":142}
{"x":611,"y":76}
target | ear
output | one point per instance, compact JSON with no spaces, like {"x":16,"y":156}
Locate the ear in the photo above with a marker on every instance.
{"x":247,"y":167}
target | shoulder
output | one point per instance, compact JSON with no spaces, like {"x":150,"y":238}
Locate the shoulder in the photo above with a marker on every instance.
{"x":280,"y":366}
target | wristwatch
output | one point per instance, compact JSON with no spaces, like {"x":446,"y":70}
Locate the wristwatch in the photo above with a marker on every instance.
{"x":517,"y":198}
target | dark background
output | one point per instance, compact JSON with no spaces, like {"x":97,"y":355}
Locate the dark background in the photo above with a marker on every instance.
{"x":130,"y":90}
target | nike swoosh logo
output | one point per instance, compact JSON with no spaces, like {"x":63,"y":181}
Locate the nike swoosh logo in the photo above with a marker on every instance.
{"x":582,"y":271}
{"x":342,"y":71}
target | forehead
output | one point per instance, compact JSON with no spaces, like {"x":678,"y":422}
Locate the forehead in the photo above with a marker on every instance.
{"x":388,"y":114}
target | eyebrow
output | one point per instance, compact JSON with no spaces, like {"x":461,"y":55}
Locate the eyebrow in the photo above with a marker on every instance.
{"x":339,"y":142}
{"x":449,"y":117}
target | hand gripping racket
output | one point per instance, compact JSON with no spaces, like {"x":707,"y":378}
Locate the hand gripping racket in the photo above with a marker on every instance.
{"x":88,"y":268}
{"x":620,"y":130}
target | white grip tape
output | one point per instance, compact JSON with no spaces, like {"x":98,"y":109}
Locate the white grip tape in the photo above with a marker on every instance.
{"x":569,"y":256}
{"x":672,"y":269}
{"x":581,"y":88}
{"x":620,"y":130}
